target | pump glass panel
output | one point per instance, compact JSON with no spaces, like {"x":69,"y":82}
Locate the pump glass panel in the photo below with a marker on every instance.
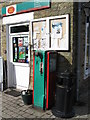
{"x":20,"y":49}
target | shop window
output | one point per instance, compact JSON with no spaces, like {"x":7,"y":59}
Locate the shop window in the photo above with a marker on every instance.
{"x":50,"y":33}
{"x":20,"y":49}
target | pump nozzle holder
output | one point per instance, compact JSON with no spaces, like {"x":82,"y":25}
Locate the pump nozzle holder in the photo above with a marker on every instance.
{"x":39,"y":54}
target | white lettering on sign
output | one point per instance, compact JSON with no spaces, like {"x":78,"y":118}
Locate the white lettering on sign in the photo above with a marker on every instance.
{"x":10,"y":10}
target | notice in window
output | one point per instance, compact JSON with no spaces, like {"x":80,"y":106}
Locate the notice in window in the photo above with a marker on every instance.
{"x":39,"y":35}
{"x":22,"y":53}
{"x":59,"y":40}
{"x":20,"y":41}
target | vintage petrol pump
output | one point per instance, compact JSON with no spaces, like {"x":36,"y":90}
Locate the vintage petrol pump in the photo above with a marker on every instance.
{"x":44,"y":77}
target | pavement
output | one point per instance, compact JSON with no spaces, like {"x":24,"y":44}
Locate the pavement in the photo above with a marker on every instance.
{"x":12,"y":106}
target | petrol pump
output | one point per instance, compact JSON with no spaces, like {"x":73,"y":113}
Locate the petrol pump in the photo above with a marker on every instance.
{"x":44,"y":78}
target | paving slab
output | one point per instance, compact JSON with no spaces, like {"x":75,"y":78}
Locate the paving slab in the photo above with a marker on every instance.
{"x":30,"y":111}
{"x":46,"y":116}
{"x":4,"y":115}
{"x":38,"y":114}
{"x":13,"y":107}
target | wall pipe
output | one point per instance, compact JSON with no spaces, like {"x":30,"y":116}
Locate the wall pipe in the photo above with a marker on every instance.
{"x":89,"y":43}
{"x":78,"y":51}
{"x":88,"y":17}
{"x":86,"y":33}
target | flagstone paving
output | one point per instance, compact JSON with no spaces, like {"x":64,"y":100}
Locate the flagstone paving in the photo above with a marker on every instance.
{"x":12,"y":106}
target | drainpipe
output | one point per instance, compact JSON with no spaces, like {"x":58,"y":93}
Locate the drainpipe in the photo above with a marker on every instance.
{"x":78,"y":51}
{"x":86,"y":34}
{"x":89,"y":46}
{"x":87,"y":37}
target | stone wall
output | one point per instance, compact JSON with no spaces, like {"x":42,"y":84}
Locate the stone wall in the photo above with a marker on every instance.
{"x":3,"y":36}
{"x":3,"y":42}
{"x":3,"y":28}
{"x":57,"y":9}
{"x":0,"y":30}
{"x":66,"y":60}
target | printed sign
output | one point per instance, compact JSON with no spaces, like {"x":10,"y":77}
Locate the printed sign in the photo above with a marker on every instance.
{"x":25,"y":42}
{"x":27,"y":6}
{"x":21,"y":52}
{"x":59,"y":33}
{"x":15,"y":52}
{"x":20,"y":41}
{"x":10,"y":10}
{"x":57,"y":30}
{"x":39,"y":35}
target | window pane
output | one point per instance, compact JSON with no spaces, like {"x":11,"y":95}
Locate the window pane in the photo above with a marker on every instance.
{"x":17,"y":29}
{"x":20,"y":49}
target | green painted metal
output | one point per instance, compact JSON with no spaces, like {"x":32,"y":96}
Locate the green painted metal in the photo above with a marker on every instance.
{"x":25,"y":6}
{"x":3,"y":11}
{"x":39,"y":81}
{"x":29,"y":5}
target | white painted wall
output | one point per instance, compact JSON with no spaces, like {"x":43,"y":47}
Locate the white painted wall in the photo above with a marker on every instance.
{"x":18,"y":18}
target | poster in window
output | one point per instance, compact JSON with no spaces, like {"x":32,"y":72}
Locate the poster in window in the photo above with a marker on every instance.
{"x":59,"y":34}
{"x":39,"y":35}
{"x":57,"y":30}
{"x":25,"y":41}
{"x":22,"y":53}
{"x":15,"y":52}
{"x":20,"y":42}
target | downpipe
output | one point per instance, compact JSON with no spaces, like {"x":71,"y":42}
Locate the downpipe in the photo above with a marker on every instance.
{"x":78,"y":52}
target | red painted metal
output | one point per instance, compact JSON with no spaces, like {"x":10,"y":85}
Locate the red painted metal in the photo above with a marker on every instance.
{"x":11,"y":10}
{"x":4,"y":15}
{"x":33,"y":76}
{"x":47,"y":80}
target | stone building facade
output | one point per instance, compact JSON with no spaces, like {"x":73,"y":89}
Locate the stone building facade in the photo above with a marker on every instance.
{"x":67,"y":60}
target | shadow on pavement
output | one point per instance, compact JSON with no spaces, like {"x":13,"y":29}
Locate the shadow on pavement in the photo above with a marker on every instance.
{"x":82,"y":108}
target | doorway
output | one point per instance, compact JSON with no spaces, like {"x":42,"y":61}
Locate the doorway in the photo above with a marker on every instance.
{"x":19,"y":56}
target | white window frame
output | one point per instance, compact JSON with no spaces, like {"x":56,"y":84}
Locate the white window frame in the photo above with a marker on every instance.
{"x":21,"y":34}
{"x":47,"y":19}
{"x":11,"y":59}
{"x":38,"y":20}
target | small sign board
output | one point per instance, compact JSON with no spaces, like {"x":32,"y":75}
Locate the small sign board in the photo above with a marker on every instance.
{"x":10,"y":10}
{"x":23,"y":7}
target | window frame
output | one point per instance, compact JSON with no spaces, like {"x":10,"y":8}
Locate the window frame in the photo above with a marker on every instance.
{"x":19,"y":33}
{"x":18,"y":63}
{"x":48,"y":19}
